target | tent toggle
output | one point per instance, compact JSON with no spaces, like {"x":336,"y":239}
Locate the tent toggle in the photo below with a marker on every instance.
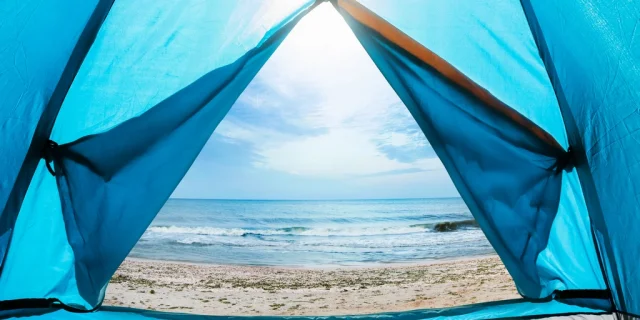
{"x":48,"y":154}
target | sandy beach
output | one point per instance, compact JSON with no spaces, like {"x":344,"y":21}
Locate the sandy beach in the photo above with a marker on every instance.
{"x":249,"y":290}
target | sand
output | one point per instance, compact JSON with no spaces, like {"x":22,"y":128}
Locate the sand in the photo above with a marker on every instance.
{"x":248,"y":290}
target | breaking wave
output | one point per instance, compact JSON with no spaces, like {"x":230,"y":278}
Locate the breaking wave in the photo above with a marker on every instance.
{"x":313,"y":233}
{"x":445,"y":226}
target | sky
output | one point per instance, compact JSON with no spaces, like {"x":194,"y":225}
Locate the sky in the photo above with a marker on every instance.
{"x":319,"y":121}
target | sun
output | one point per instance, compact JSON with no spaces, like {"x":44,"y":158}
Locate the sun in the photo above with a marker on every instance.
{"x":321,"y":28}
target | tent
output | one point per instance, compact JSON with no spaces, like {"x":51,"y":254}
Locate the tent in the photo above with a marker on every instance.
{"x":531,"y":105}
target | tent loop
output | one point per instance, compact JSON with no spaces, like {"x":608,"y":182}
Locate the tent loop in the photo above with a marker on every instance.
{"x":565,"y":161}
{"x":48,"y":153}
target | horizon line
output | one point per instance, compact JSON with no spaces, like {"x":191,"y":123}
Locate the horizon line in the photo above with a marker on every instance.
{"x":342,"y":199}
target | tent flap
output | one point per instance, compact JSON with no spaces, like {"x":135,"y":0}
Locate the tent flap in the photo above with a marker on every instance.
{"x":494,"y":47}
{"x":113,"y":184}
{"x":505,"y":172}
{"x":144,"y":52}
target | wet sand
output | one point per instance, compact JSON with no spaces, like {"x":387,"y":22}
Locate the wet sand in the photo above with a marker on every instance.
{"x":249,"y":290}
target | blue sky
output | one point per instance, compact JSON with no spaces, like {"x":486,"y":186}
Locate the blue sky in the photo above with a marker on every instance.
{"x":319,"y":121}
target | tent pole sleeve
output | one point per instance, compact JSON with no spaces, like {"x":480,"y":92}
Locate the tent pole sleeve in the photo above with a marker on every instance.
{"x":402,"y":40}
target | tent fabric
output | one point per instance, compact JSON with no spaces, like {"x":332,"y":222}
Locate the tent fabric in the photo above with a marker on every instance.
{"x":509,"y":309}
{"x":130,"y":56}
{"x":491,"y":44}
{"x":37,"y":40}
{"x":161,"y":75}
{"x":596,"y":87}
{"x":516,"y":215}
{"x":142,"y":169}
{"x":494,"y":47}
{"x":570,"y":262}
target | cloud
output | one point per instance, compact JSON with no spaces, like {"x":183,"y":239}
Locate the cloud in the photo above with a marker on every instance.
{"x":340,"y":152}
{"x":321,"y":108}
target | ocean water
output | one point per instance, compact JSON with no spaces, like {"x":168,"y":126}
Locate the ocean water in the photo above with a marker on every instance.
{"x":312,"y":233}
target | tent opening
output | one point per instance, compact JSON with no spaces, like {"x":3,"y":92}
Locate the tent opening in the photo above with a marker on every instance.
{"x":321,"y":170}
{"x":317,"y":194}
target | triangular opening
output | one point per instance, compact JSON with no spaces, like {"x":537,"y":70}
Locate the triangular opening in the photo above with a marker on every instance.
{"x":317,"y":194}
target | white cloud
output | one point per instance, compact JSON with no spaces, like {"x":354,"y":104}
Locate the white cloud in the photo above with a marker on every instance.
{"x":399,"y":139}
{"x":321,"y":78}
{"x":340,"y":152}
{"x":233,"y":131}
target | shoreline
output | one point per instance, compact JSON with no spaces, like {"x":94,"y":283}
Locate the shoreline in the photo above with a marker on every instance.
{"x":271,"y":290}
{"x":321,"y":267}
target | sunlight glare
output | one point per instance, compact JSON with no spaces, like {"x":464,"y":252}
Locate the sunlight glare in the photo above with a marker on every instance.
{"x":321,"y":28}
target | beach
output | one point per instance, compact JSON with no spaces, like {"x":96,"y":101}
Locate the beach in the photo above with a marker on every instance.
{"x":310,"y":258}
{"x":254,"y":290}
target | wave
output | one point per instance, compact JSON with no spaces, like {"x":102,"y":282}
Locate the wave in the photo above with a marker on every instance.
{"x":289,"y":231}
{"x":294,"y":229}
{"x":211,"y":231}
{"x":429,"y":241}
{"x":240,"y":232}
{"x":445,"y":226}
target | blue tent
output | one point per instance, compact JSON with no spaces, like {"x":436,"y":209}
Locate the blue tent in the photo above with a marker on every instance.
{"x":105,"y":104}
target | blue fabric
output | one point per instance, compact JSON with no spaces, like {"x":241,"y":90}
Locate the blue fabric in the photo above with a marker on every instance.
{"x":45,"y":242}
{"x":145,"y":101}
{"x":491,"y":44}
{"x":570,"y":261}
{"x":509,"y":309}
{"x":114,"y":183}
{"x":494,"y":46}
{"x":148,"y":50}
{"x":505,"y":174}
{"x":39,"y":283}
{"x":592,"y":56}
{"x":145,"y":51}
{"x":37,"y":39}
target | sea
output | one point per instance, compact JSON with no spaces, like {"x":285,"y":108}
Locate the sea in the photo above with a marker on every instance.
{"x":312,"y":233}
